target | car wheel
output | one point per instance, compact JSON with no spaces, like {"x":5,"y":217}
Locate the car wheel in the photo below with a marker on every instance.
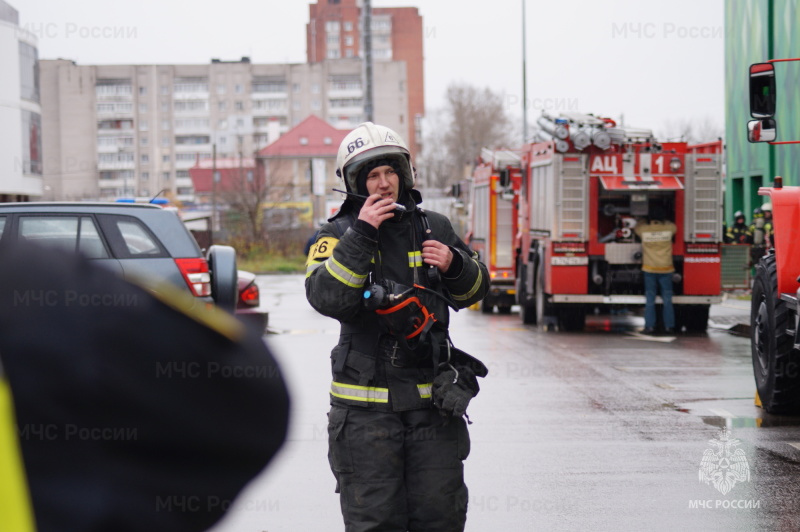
{"x":224,"y":279}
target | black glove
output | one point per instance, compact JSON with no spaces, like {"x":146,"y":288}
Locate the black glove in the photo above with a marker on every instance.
{"x":452,"y":391}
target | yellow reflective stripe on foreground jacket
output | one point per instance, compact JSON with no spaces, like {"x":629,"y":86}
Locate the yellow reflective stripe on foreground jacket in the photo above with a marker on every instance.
{"x":15,"y":506}
{"x":366,"y":394}
{"x":370,"y":394}
{"x":346,"y":276}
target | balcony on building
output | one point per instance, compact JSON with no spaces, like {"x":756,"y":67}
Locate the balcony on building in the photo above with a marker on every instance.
{"x":345,"y":87}
{"x":193,"y":88}
{"x":113,"y":90}
{"x":269,"y":88}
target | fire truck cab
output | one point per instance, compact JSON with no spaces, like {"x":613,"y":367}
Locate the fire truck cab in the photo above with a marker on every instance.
{"x":578,"y":250}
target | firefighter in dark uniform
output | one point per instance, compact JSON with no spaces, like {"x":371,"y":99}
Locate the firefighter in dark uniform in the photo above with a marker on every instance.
{"x":739,"y":232}
{"x":760,"y":233}
{"x":397,"y":434}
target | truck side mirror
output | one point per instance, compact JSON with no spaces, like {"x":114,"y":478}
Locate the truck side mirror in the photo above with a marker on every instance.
{"x":765,"y":130}
{"x":762,"y":90}
{"x":505,"y":178}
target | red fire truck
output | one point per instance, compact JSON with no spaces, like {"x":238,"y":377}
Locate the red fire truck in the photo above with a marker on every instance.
{"x":583,"y":187}
{"x":494,"y":202}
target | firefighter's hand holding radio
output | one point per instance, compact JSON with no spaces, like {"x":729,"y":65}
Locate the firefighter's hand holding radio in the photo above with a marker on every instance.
{"x":389,"y":272}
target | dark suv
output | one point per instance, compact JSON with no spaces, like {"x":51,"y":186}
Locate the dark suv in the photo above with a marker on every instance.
{"x":134,"y":240}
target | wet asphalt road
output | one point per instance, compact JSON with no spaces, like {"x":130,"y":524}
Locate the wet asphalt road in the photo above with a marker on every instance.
{"x":601,"y":430}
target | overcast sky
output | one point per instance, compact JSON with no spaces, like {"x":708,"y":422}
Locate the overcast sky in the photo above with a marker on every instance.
{"x":656,"y":62}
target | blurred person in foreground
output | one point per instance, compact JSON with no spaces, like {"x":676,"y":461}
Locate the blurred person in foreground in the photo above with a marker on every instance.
{"x":127,"y":410}
{"x":388,"y":271}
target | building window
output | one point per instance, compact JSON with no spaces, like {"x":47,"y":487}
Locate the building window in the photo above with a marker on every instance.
{"x":348,"y":40}
{"x":191,"y":105}
{"x":349,"y":53}
{"x":190,"y":85}
{"x":315,"y":88}
{"x":165,"y":107}
{"x":142,"y":107}
{"x":165,"y":125}
{"x":145,"y":176}
{"x":295,"y":87}
{"x":238,"y":88}
{"x":143,"y":125}
{"x":164,"y":89}
{"x":181,"y":174}
{"x":31,"y":143}
{"x":348,"y":26}
{"x":142,"y":91}
{"x":333,"y":53}
{"x":220,"y":88}
{"x":239,"y":105}
{"x":29,"y":72}
{"x":143,"y":141}
{"x":221,"y":106}
{"x":332,"y":26}
{"x":222,"y":124}
{"x":315,"y":104}
{"x":192,"y":139}
{"x":145,"y":158}
{"x":303,"y":141}
{"x":165,"y":176}
{"x":269,"y":85}
{"x":165,"y":158}
{"x":165,"y":142}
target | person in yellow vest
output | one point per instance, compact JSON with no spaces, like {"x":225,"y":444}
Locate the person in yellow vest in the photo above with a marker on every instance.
{"x":656,"y":233}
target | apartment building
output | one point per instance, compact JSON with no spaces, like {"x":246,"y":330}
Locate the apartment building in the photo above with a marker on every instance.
{"x":20,"y":113}
{"x":135,"y":130}
{"x":334,"y":32}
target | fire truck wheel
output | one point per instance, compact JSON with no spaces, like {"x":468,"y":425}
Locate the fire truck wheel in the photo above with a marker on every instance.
{"x":572,"y":318}
{"x":505,"y":309}
{"x":527,"y":311}
{"x":693,"y":317}
{"x":486,"y":308}
{"x":776,"y":364}
{"x":544,"y":308}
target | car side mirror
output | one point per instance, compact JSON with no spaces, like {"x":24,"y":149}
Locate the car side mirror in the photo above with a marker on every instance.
{"x":762,"y":90}
{"x":765,"y":130}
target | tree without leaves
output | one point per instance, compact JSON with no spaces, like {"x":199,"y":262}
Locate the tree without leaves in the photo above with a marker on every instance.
{"x":472,"y":119}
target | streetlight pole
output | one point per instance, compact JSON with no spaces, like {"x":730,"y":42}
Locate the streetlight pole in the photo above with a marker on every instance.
{"x":524,"y":81}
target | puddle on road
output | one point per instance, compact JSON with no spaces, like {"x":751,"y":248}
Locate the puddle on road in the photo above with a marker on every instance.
{"x":718,"y":417}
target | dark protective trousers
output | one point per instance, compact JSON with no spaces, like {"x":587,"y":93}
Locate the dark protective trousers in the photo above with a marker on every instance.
{"x":399,"y":471}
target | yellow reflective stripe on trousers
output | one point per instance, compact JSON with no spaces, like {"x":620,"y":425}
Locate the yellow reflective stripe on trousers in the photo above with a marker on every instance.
{"x":348,"y":277}
{"x":15,"y":507}
{"x":414,"y":259}
{"x":366,"y":394}
{"x":425,"y":390}
{"x":475,"y":287}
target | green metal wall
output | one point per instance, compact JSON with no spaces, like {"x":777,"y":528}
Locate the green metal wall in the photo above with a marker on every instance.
{"x":747,"y":41}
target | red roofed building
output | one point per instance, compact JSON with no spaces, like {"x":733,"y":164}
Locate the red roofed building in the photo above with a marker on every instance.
{"x":290,"y":162}
{"x":231,"y":171}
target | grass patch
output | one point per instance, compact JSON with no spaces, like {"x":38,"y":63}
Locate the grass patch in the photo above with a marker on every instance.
{"x":263,"y":262}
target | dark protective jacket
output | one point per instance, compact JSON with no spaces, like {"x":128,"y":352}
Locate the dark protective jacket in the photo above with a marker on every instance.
{"x":738,"y":234}
{"x":350,"y":255}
